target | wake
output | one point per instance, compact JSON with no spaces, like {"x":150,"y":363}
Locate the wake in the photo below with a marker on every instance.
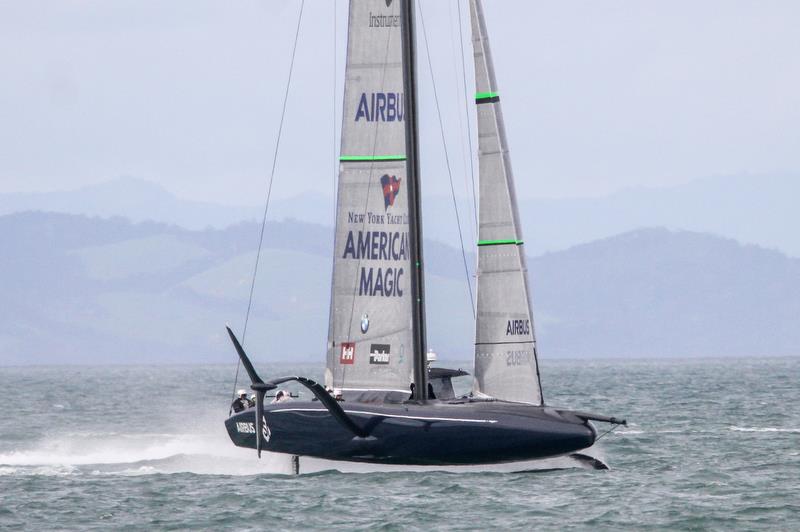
{"x":765,"y":429}
{"x":140,"y":454}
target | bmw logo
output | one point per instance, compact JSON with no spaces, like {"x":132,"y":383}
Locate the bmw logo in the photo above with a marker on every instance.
{"x":364,"y":324}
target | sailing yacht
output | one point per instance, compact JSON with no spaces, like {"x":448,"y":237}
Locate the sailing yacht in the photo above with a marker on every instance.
{"x":380,"y":403}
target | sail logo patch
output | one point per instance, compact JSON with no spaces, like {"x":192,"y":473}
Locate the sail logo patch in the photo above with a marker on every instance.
{"x":364,"y":323}
{"x":245,"y":427}
{"x":376,"y":245}
{"x":265,"y":432}
{"x":384,"y":21}
{"x":380,"y":107}
{"x":518,"y":327}
{"x":391,"y":187}
{"x":518,"y":358}
{"x":379,"y":354}
{"x":384,"y":282}
{"x":348,"y":354}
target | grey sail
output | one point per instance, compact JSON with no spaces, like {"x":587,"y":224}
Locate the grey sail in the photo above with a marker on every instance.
{"x":506,"y":365}
{"x":370,"y":340}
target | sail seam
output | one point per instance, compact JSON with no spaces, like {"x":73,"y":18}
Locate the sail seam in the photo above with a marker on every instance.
{"x":504,"y":343}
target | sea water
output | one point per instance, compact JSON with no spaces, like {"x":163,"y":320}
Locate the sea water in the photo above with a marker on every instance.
{"x":711,"y":444}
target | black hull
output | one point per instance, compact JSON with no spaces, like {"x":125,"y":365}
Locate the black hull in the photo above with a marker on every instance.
{"x":437,"y":433}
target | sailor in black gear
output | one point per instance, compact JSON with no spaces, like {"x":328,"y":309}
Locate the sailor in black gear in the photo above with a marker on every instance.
{"x":241,"y":402}
{"x":431,"y":395}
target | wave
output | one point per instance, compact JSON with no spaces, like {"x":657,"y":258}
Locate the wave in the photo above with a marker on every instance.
{"x":137,"y":454}
{"x":765,"y":429}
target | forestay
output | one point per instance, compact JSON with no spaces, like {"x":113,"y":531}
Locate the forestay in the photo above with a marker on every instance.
{"x":505,"y":346}
{"x":370,"y":329}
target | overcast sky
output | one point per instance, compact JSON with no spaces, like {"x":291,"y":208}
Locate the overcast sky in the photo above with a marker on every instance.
{"x":597,"y":96}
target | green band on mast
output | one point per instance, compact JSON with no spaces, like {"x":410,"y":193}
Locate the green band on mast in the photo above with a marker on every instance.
{"x":371,"y":158}
{"x":487,"y":97}
{"x":499,"y":242}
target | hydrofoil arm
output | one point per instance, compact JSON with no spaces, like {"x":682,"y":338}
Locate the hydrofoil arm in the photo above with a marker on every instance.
{"x":261,"y":388}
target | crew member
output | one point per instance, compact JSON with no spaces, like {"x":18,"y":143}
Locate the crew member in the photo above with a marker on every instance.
{"x":241,"y":402}
{"x":281,"y":396}
{"x":431,"y":395}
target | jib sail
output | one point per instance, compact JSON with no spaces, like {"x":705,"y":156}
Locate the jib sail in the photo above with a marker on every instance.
{"x":505,"y":345}
{"x":370,"y":338}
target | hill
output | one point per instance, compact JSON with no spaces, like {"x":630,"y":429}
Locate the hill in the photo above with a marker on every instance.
{"x":755,"y":209}
{"x":86,"y":290}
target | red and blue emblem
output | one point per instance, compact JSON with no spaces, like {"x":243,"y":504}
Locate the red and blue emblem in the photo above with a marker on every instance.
{"x":391,"y":186}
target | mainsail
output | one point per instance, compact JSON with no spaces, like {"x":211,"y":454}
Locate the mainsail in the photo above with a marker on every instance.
{"x":505,"y":346}
{"x":370,"y":335}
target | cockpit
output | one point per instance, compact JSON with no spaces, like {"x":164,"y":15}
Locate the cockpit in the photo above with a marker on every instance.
{"x":441,"y":382}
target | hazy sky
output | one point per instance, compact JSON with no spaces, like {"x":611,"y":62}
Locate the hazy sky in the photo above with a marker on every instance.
{"x":597,"y":95}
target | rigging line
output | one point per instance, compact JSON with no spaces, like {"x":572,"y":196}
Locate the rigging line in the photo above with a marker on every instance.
{"x":333,"y":121}
{"x":447,"y":160}
{"x":466,"y":112}
{"x":329,"y":344}
{"x":462,"y":134}
{"x":467,"y":155}
{"x":613,"y":428}
{"x":269,"y":192}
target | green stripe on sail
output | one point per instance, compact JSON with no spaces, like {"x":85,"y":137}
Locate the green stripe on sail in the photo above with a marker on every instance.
{"x":499,"y":242}
{"x":486,"y":95}
{"x":370,"y":158}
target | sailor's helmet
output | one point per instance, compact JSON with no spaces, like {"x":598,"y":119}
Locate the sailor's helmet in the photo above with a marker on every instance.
{"x":242,"y":393}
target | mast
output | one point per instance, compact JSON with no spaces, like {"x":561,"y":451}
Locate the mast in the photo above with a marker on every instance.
{"x":414,"y":208}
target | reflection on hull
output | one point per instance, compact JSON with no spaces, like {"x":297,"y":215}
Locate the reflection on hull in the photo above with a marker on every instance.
{"x":309,"y":465}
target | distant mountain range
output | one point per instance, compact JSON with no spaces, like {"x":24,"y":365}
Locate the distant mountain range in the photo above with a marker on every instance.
{"x":137,"y":200}
{"x":754,"y":209}
{"x":77,"y":289}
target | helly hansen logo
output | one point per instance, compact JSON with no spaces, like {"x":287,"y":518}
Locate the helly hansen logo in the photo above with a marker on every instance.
{"x":348,"y":354}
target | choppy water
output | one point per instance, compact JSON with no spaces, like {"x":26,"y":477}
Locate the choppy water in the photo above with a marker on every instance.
{"x":712,"y":444}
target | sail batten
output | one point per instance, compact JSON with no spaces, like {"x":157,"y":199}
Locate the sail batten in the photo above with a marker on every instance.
{"x":506,"y":365}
